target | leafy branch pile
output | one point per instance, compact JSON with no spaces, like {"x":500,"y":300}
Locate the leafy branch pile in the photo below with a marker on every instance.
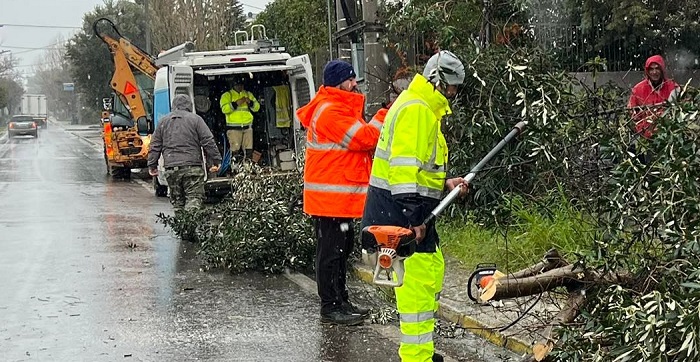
{"x":258,"y":228}
{"x":641,"y":279}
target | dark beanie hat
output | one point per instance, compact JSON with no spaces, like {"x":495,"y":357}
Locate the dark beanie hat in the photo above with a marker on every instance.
{"x":336,"y":72}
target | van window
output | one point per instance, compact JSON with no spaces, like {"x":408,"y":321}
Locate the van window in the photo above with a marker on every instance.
{"x":302,"y":91}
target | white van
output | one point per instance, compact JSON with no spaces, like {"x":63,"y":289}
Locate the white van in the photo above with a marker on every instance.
{"x":280,"y":82}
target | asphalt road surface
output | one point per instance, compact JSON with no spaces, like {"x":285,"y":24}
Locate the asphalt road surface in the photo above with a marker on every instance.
{"x":88,"y":274}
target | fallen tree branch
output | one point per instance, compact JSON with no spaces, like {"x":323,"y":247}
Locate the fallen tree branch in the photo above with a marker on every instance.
{"x":551,"y":260}
{"x":505,"y":288}
{"x":566,"y":315}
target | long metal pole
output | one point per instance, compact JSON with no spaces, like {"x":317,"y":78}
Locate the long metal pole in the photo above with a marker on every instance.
{"x":330,"y":31}
{"x":148,"y":27}
{"x":455,"y":192}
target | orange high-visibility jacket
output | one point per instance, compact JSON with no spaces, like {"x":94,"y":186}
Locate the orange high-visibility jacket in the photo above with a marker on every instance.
{"x":338,"y":153}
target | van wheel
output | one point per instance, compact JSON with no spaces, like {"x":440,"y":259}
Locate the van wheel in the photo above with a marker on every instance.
{"x":160,"y":190}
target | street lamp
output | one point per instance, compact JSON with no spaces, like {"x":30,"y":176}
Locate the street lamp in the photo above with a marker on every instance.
{"x":4,"y":51}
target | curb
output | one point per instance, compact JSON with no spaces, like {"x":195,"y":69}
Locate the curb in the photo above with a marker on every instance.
{"x":309,"y":285}
{"x":449,"y":312}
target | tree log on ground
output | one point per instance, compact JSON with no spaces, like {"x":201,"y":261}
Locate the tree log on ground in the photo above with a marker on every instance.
{"x":505,"y":288}
{"x":550,"y":261}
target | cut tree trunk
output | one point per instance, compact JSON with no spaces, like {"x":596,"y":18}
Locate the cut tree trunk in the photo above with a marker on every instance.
{"x":509,"y":287}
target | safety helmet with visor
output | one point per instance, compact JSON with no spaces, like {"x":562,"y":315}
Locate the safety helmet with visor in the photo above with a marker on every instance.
{"x":444,"y":69}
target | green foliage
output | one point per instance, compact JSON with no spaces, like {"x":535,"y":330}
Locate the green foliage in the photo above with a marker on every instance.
{"x":529,"y":235}
{"x":626,"y":32}
{"x":258,"y":228}
{"x":10,"y":93}
{"x":649,"y":215}
{"x":90,"y":60}
{"x":300,"y":25}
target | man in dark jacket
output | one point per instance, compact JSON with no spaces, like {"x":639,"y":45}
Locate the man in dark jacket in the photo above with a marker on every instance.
{"x":180,"y":137}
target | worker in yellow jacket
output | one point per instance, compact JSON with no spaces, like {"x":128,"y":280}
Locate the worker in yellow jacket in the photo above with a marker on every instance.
{"x":237,"y":104}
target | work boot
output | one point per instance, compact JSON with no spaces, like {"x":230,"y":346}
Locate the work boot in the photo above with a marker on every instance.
{"x":364,"y":312}
{"x":438,"y":357}
{"x":342,"y":317}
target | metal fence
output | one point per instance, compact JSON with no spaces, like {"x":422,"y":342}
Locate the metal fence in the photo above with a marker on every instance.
{"x":573,"y":47}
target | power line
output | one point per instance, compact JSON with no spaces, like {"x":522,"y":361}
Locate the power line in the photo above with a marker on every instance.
{"x":30,"y":48}
{"x":251,"y":6}
{"x":40,"y":26}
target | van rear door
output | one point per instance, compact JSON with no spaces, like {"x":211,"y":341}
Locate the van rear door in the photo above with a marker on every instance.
{"x":181,"y":81}
{"x":301,"y":81}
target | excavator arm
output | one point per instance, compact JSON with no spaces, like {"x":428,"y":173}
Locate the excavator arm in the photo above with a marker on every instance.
{"x":127,"y":57}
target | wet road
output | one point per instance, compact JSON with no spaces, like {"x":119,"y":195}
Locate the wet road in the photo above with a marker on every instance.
{"x":88,"y":274}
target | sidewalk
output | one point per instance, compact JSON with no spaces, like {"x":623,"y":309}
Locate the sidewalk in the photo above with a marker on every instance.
{"x":489,"y":322}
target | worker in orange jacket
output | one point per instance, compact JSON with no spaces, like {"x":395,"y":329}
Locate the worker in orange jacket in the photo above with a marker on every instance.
{"x":336,"y":176}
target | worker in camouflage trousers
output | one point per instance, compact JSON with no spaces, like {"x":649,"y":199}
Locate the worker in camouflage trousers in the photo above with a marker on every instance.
{"x":180,"y":137}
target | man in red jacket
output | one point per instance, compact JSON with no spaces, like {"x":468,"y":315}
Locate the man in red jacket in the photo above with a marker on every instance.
{"x":336,"y":176}
{"x":649,"y":95}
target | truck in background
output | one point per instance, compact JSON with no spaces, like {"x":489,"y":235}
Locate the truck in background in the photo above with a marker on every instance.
{"x":34,"y":105}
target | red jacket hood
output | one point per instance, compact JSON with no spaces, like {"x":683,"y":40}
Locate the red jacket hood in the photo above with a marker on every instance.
{"x":354,"y":102}
{"x":658,"y":60}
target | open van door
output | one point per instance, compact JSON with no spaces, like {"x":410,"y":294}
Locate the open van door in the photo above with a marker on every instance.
{"x":301,"y":81}
{"x":181,"y":81}
{"x":170,"y":81}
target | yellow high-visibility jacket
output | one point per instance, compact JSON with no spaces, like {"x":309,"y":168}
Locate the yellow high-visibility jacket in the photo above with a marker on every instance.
{"x":411,"y":155}
{"x":238,"y":115}
{"x":282,"y":106}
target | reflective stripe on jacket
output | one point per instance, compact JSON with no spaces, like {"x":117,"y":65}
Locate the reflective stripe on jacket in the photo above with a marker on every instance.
{"x":238,"y":115}
{"x":411,"y":155}
{"x":338,"y":153}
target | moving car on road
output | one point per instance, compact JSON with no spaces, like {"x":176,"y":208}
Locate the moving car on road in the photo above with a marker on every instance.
{"x":22,"y":125}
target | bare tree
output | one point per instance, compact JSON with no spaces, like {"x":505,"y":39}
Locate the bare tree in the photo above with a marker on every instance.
{"x":207,"y":23}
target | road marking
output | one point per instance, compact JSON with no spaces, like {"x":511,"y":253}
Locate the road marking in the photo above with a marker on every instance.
{"x":145,"y":185}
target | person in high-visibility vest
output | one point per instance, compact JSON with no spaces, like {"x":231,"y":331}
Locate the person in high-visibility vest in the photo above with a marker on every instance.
{"x":336,"y":174}
{"x":406,"y":183}
{"x":237,"y":104}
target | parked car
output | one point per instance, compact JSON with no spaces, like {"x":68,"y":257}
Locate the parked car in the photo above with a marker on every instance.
{"x":22,"y":125}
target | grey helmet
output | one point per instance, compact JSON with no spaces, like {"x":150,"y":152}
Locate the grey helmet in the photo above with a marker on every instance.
{"x":444,"y":67}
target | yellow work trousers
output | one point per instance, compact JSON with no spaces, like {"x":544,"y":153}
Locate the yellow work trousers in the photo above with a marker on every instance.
{"x":417,"y":303}
{"x":240,"y":138}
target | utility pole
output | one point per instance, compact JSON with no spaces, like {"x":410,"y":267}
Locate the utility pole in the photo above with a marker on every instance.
{"x":148,"y":27}
{"x":376,"y":60}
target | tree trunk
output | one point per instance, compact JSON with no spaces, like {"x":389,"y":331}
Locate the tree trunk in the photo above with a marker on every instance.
{"x":550,"y":261}
{"x":509,"y":287}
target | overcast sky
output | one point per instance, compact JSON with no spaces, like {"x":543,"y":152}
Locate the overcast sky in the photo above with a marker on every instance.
{"x":65,"y":13}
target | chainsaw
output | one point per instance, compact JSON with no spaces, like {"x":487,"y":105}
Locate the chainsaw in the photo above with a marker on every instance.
{"x":393,"y":244}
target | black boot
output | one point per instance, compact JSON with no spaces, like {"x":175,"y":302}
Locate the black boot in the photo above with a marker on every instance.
{"x":342,"y":317}
{"x":364,"y":312}
{"x":437,"y":357}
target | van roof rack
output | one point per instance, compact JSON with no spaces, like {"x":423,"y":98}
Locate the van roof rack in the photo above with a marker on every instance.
{"x":255,"y":44}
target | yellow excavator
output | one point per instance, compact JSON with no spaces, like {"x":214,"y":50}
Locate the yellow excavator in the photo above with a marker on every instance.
{"x":126,"y":121}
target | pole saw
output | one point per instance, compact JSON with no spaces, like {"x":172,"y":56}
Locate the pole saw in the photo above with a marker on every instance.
{"x":393,"y":244}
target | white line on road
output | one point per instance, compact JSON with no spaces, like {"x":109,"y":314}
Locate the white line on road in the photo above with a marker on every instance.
{"x":145,"y":185}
